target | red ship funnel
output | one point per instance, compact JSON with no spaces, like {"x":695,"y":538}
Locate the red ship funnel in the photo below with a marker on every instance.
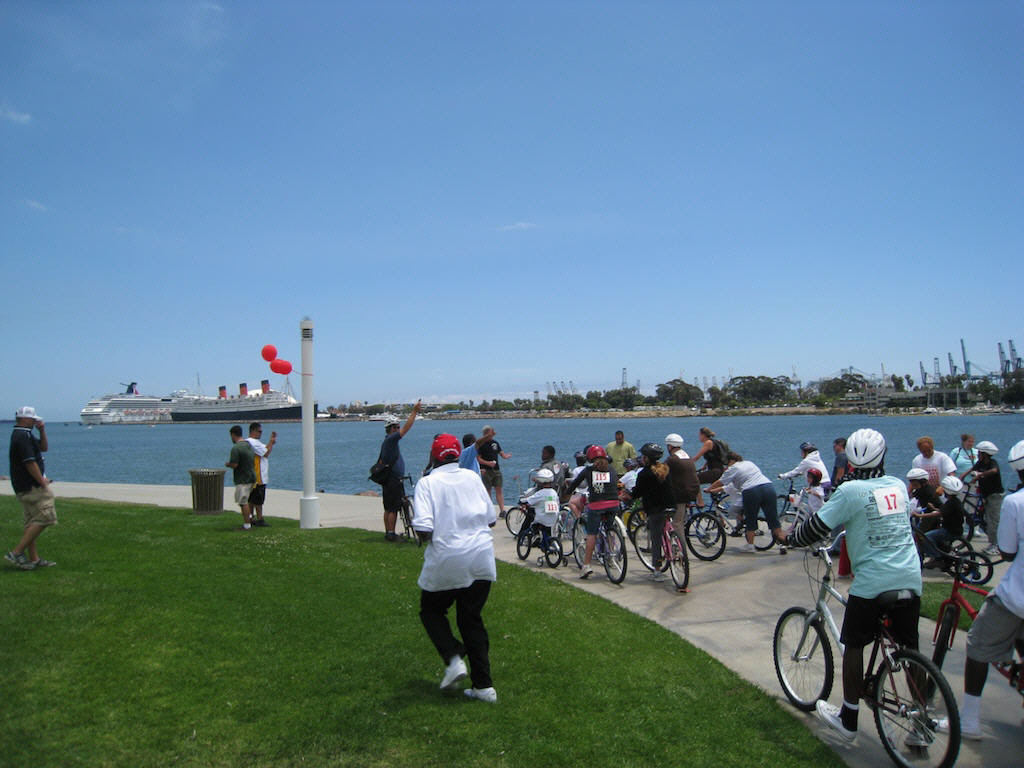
{"x":265,"y":386}
{"x":222,"y":392}
{"x":243,"y":389}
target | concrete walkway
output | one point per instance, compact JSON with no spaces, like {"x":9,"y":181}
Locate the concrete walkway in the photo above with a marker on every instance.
{"x":730,"y":613}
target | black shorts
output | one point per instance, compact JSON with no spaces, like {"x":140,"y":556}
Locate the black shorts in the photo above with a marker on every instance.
{"x":860,"y":625}
{"x":258,"y":495}
{"x":393,"y":491}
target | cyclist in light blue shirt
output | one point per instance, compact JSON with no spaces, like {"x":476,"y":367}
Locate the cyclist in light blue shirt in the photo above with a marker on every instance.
{"x":875,"y":509}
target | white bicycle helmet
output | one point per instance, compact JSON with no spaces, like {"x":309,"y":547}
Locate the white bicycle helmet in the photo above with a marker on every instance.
{"x":986,"y":447}
{"x":865,"y":448}
{"x":676,"y":441}
{"x":916,"y":474}
{"x":1016,"y":456}
{"x":952,"y":485}
{"x":544,"y":475}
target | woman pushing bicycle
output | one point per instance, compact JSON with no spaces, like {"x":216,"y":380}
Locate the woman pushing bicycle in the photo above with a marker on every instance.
{"x":602,"y":498}
{"x":654,"y":488}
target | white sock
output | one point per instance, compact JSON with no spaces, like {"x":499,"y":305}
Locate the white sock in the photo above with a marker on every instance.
{"x":246,"y":526}
{"x":970,"y":711}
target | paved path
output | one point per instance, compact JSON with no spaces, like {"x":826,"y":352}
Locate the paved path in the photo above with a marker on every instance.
{"x":730,"y":613}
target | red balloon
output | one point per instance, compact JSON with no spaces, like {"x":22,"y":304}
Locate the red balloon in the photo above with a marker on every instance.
{"x":281,"y":366}
{"x":269,"y":352}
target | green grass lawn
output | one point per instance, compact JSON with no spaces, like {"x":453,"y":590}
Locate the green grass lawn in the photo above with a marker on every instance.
{"x":164,"y":638}
{"x":934,"y":593}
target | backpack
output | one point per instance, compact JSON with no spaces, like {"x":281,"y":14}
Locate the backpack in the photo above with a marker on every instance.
{"x":721,"y":450}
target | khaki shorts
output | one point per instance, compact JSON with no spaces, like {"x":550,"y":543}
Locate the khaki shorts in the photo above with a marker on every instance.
{"x":39,"y":506}
{"x":242,"y":493}
{"x":491,"y":477}
{"x":993,"y":632}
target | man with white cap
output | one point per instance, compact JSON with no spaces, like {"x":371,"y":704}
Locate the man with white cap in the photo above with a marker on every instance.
{"x":31,"y":486}
{"x":990,"y":486}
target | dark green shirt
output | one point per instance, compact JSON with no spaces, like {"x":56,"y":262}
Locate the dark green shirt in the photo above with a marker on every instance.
{"x":243,"y":457}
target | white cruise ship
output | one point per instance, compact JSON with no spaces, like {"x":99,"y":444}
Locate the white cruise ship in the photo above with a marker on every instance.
{"x":128,"y":407}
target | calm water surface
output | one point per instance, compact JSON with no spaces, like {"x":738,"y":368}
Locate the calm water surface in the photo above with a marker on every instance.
{"x":163,"y":454}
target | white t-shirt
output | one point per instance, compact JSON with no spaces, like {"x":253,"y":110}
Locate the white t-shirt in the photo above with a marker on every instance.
{"x":262,"y":466}
{"x":1010,"y":536}
{"x":744,"y":475}
{"x":937,"y":467}
{"x":811,"y":461}
{"x":628,"y":480}
{"x":545,"y":506}
{"x":452,"y":503}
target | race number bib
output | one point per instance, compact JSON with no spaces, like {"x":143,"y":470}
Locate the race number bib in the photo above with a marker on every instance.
{"x":600,"y":477}
{"x":551,"y":507}
{"x":890,"y":501}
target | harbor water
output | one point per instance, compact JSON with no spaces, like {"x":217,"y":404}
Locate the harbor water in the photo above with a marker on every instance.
{"x":163,"y":454}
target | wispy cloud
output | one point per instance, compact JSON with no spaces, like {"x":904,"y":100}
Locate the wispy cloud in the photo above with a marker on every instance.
{"x":35,"y":205}
{"x":11,"y":116}
{"x":517,"y":226}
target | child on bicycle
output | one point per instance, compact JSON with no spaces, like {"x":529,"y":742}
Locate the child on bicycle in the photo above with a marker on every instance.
{"x":654,"y":488}
{"x":602,"y":498}
{"x":950,"y":514}
{"x":543,"y":503}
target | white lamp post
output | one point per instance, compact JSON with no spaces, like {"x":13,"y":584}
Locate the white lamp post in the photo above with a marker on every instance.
{"x":309,"y":504}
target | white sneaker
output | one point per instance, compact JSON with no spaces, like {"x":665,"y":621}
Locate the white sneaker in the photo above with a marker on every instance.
{"x":482,"y":694}
{"x":748,"y":548}
{"x":453,"y":673}
{"x":657,"y":576}
{"x":992,"y":550}
{"x":970,"y":731}
{"x":586,"y":571}
{"x":829,"y":715}
{"x":919,"y":738}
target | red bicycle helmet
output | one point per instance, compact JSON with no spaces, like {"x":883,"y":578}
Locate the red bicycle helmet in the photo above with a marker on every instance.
{"x":596,"y":452}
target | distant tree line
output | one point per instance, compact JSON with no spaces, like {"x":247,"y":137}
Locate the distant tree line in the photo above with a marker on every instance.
{"x":738,"y":392}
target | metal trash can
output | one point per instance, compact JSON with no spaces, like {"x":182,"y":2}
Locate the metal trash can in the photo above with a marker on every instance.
{"x":207,"y":491}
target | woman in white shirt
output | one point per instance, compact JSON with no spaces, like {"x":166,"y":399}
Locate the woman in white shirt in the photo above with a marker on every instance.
{"x":758,"y":494}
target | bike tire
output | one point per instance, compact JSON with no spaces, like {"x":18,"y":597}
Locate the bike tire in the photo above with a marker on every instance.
{"x":805,"y":673}
{"x":980,"y":570}
{"x":678,"y":562}
{"x":642,"y":545}
{"x":910,"y":696}
{"x":614,"y":554}
{"x":579,"y":540}
{"x":410,"y":532}
{"x":524,"y":543}
{"x":553,"y":553}
{"x":514,"y":519}
{"x":764,"y":539}
{"x":637,"y":520}
{"x":944,"y":633}
{"x":705,"y":536}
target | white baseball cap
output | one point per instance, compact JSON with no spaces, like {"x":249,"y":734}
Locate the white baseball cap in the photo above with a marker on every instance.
{"x":26,"y":412}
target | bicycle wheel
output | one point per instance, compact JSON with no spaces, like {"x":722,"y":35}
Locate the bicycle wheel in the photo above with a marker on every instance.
{"x":910,"y":697}
{"x":553,"y":553}
{"x":579,"y":540}
{"x":950,"y":617}
{"x":637,"y":520}
{"x":705,"y":536}
{"x":977,"y":569}
{"x":642,"y":545}
{"x":763,"y":537}
{"x":614,"y":554}
{"x":679,"y":561}
{"x":410,"y":533}
{"x":524,"y":543}
{"x":514,"y":519}
{"x":803,"y":658}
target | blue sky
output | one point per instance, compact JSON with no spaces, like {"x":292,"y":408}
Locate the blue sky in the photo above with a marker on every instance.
{"x":472,"y":199}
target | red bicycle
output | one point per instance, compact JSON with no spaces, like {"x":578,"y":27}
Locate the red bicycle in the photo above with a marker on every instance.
{"x":949,"y":621}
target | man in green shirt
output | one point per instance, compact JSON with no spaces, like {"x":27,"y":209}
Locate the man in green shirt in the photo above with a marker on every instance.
{"x":618,"y":451}
{"x":242,"y":463}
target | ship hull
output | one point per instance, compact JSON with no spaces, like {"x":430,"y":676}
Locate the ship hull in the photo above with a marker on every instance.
{"x":238,"y":414}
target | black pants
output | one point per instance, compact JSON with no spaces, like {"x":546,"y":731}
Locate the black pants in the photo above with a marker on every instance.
{"x":469,"y":603}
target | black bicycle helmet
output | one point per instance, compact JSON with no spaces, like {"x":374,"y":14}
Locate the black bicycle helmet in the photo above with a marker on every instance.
{"x":652,"y":451}
{"x":808,"y":447}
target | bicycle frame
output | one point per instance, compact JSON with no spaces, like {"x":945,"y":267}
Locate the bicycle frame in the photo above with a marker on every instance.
{"x":821,"y":609}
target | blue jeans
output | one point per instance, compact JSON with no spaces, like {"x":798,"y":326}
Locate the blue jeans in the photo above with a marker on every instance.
{"x":761,"y":498}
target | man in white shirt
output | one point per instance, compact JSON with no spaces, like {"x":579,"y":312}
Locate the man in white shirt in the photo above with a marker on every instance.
{"x":454,"y":515}
{"x":936,"y":463}
{"x":262,"y":469}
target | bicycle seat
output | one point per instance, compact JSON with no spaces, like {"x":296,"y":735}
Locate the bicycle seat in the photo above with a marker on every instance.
{"x":893,"y":597}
